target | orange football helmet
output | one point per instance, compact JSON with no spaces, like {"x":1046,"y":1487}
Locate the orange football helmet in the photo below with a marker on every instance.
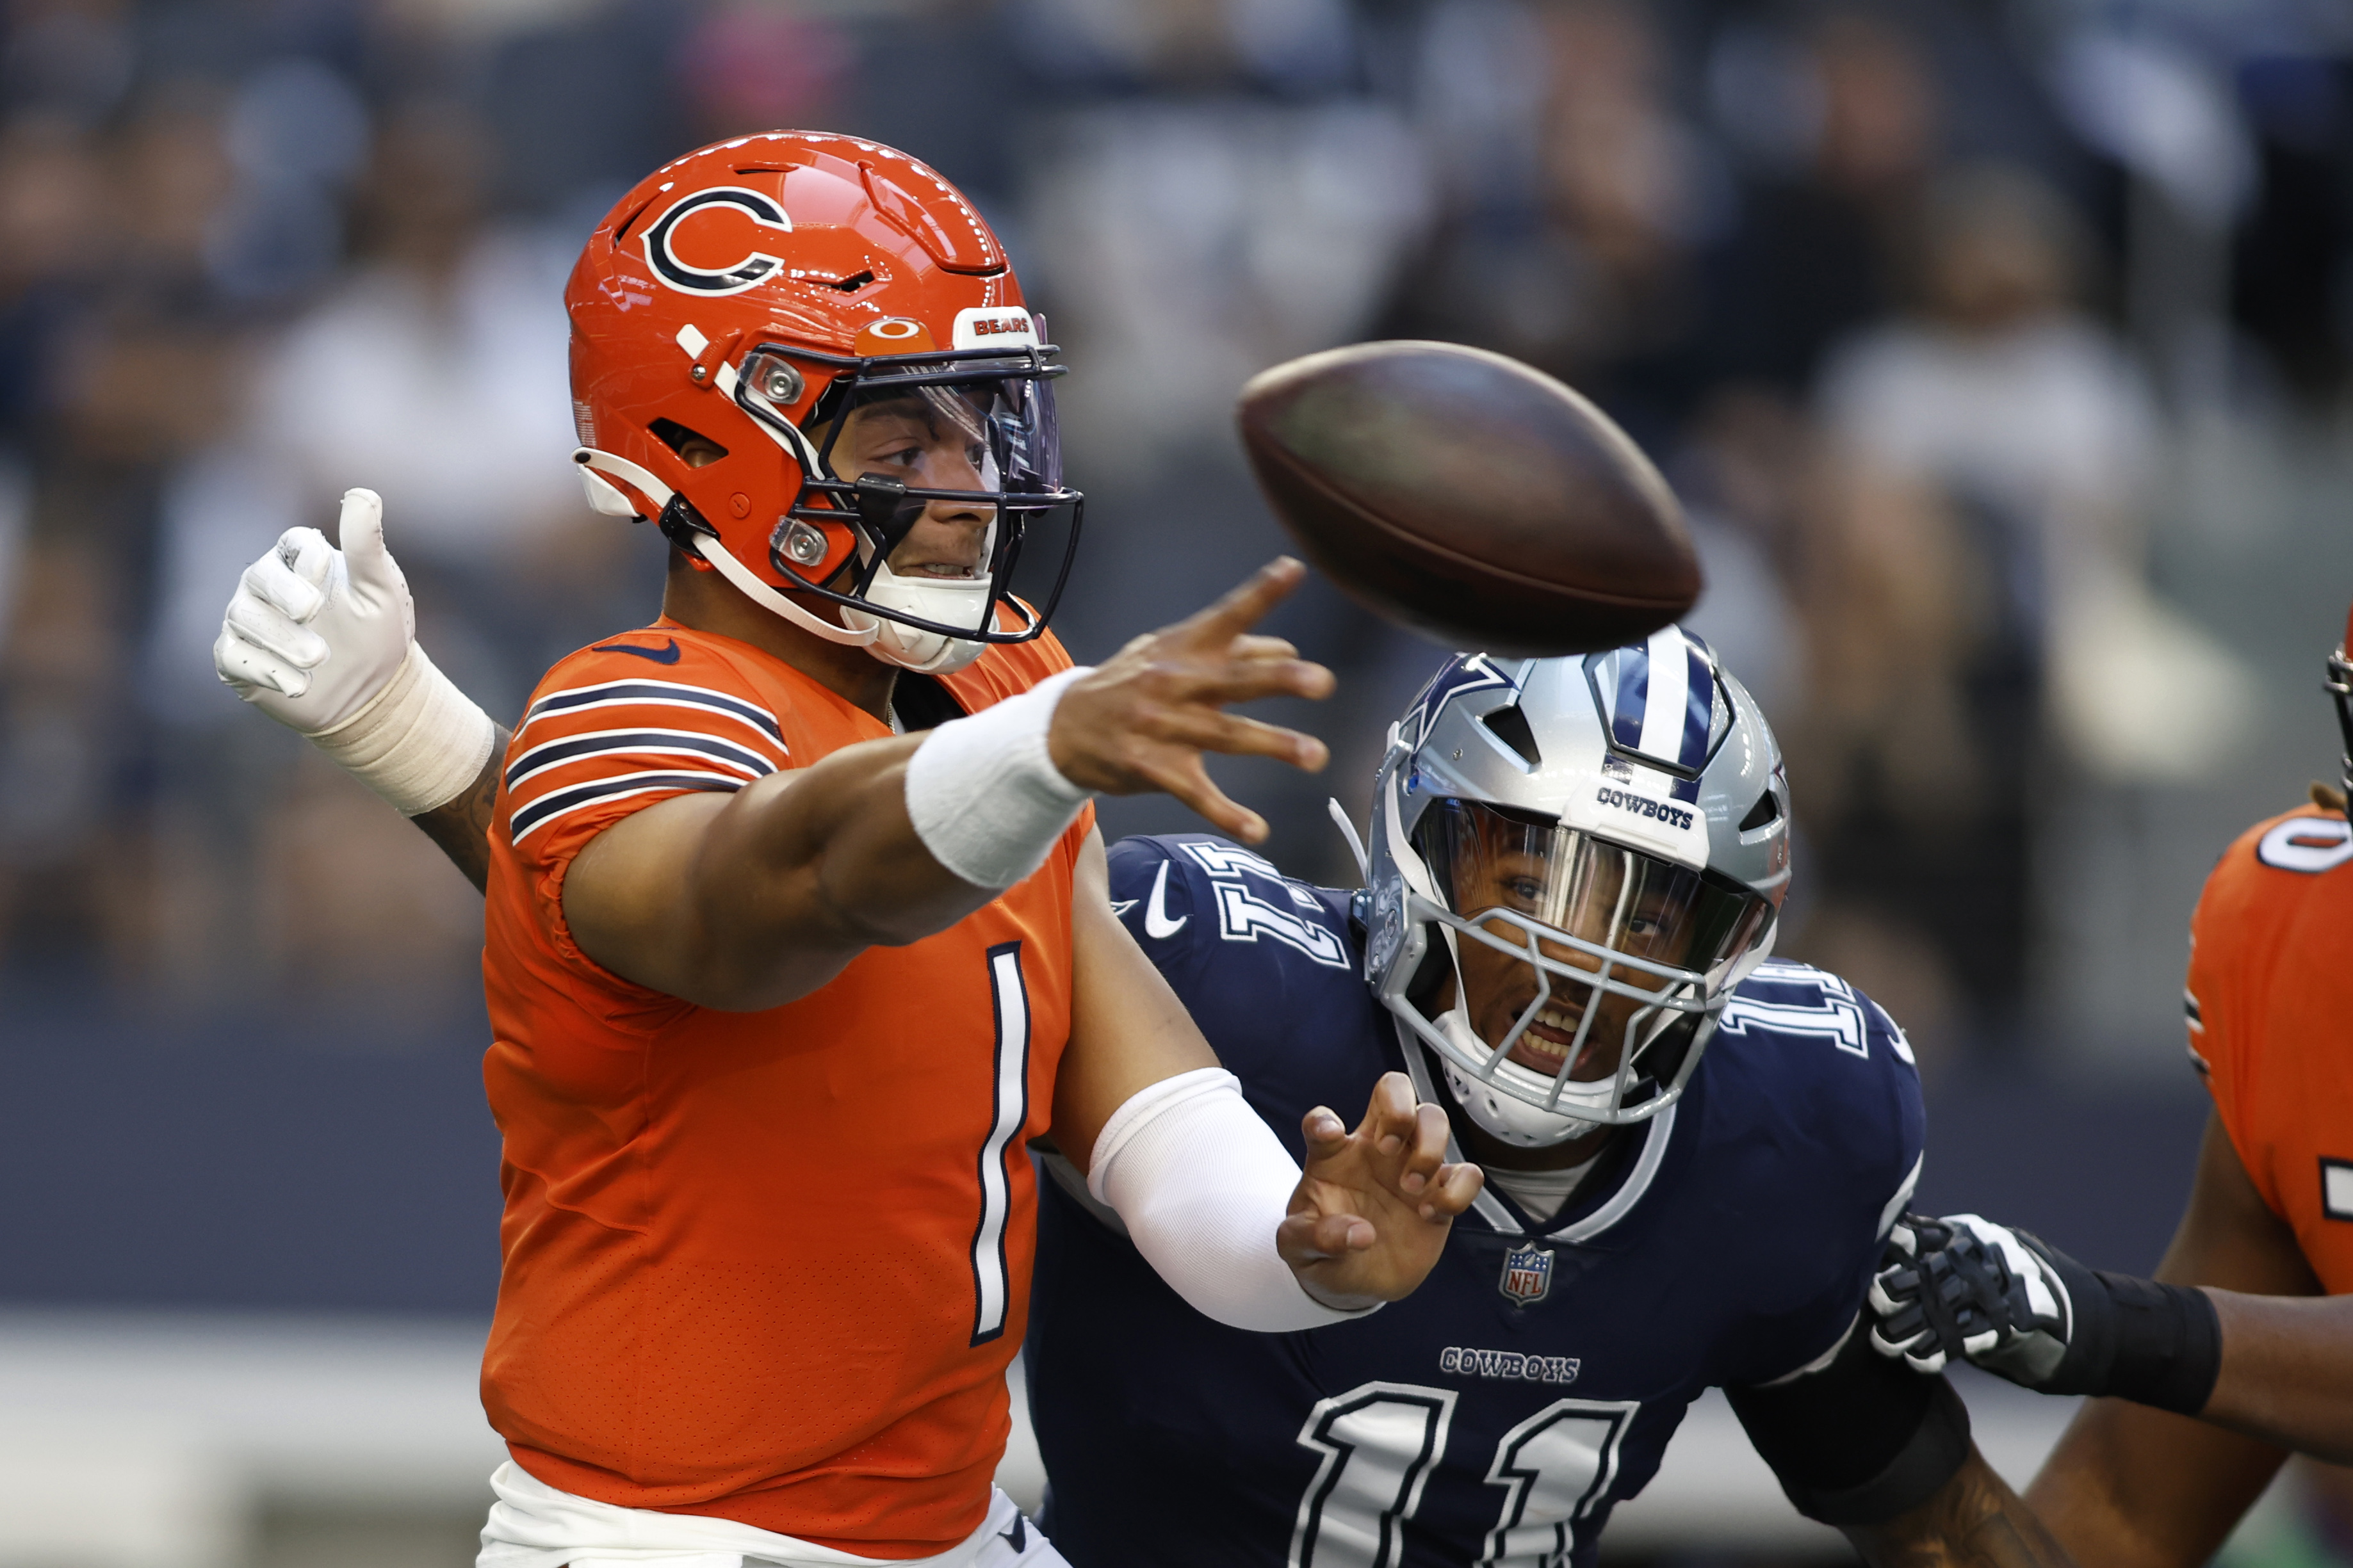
{"x":752,"y":293}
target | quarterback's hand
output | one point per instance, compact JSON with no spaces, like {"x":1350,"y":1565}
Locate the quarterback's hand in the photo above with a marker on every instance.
{"x":1962,"y":1287}
{"x":1371,"y":1212}
{"x":313,"y":633}
{"x":1142,"y":720}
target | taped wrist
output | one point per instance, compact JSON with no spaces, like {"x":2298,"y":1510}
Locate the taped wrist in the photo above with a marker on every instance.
{"x":984,"y":794}
{"x":1861,"y":1441}
{"x":418,"y":742}
{"x":2159,"y":1345}
{"x":1202,"y":1185}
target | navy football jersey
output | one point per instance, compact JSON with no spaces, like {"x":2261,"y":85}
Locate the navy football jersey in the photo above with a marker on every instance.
{"x":1496,"y":1415}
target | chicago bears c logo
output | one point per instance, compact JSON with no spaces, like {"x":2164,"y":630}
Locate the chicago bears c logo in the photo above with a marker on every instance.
{"x":714,"y":241}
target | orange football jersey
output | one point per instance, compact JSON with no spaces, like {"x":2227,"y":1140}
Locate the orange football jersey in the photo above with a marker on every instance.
{"x":2271,"y":1022}
{"x":768,"y":1267}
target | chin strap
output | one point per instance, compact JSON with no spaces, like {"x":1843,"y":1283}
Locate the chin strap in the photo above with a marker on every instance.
{"x":595,"y":466}
{"x":767,"y":598}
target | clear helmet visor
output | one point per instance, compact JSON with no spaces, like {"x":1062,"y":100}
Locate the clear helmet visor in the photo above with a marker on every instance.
{"x":1006,"y":421}
{"x":1583,"y":969}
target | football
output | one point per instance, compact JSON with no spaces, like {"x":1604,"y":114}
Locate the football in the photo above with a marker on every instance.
{"x":1471,"y":498}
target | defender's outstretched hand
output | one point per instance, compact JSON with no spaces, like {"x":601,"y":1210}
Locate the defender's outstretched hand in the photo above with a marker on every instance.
{"x":313,"y":633}
{"x":1142,"y":720}
{"x":1373,"y":1207}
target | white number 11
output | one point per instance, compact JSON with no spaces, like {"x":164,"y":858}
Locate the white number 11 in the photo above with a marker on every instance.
{"x":1381,"y":1440}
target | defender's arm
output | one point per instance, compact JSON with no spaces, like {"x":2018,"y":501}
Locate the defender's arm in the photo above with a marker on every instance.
{"x":2131,"y":1486}
{"x":1974,"y":1519}
{"x":1884,"y":1454}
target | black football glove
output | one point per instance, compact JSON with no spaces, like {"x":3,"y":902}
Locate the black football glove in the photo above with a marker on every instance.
{"x":2011,"y":1302}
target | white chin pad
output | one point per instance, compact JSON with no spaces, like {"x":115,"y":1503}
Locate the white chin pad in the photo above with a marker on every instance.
{"x":1507,"y":1116}
{"x":951,"y":601}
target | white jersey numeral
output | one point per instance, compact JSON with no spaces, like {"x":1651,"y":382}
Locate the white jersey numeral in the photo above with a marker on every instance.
{"x":991,"y":1286}
{"x":1555,"y":1466}
{"x":1243,"y":916}
{"x":1835,"y":1015}
{"x":1378,"y":1441}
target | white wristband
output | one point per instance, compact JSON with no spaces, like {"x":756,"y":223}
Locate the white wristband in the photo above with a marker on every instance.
{"x":1202,"y":1185}
{"x":985,"y":795}
{"x":418,"y":742}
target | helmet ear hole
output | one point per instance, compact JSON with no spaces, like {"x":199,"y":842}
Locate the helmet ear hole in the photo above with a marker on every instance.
{"x":693,"y":447}
{"x":1762,"y":814}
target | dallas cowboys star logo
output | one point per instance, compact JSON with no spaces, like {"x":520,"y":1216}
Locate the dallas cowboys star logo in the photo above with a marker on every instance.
{"x":1470,"y":672}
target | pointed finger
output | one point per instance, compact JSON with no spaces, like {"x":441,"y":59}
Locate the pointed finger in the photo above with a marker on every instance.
{"x":1188,"y":783}
{"x":1244,"y":606}
{"x":1248,"y":680}
{"x":1255,"y":645}
{"x":1207,"y":730}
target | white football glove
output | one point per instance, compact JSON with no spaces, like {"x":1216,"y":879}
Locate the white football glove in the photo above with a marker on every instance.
{"x":324,"y":641}
{"x":313,"y":633}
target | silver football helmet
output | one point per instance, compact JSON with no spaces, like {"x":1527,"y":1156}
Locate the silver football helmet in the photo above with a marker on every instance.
{"x":1610,"y":826}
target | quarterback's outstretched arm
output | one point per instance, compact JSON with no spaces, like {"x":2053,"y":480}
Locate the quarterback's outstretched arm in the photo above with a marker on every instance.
{"x":1207,"y":1192}
{"x":752,"y":899}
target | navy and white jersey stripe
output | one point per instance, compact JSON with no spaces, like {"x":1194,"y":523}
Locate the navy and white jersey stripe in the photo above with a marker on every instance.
{"x":603,"y":741}
{"x":653,"y":693}
{"x":684,"y":744}
{"x":562,"y":802}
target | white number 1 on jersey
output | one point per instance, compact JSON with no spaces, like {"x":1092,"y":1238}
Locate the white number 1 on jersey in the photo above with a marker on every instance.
{"x":992,"y":1288}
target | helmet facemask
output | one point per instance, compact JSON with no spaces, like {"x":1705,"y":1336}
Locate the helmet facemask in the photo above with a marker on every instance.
{"x":1002,"y":401}
{"x":1603,"y":966}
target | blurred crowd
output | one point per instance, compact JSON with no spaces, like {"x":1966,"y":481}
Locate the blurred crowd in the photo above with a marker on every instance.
{"x":1914,"y":304}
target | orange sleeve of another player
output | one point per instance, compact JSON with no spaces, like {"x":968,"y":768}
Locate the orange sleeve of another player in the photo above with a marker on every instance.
{"x":2251,"y":1030}
{"x":610,"y":732}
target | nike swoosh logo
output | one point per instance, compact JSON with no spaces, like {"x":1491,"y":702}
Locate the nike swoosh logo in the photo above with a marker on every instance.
{"x":1019,"y":1536}
{"x":1157,"y":923}
{"x":666,"y":654}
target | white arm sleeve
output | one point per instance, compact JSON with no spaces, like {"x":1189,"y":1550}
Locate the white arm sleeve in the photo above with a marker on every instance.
{"x":1202,"y":1185}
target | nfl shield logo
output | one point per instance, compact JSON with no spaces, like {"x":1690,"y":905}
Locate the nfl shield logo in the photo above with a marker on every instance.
{"x":1528,"y":1275}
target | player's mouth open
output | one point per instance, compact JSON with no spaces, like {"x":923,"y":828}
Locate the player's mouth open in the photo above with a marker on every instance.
{"x":1544,"y":1045}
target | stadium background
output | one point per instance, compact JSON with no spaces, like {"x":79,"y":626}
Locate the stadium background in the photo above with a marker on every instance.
{"x":1998,"y":350}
